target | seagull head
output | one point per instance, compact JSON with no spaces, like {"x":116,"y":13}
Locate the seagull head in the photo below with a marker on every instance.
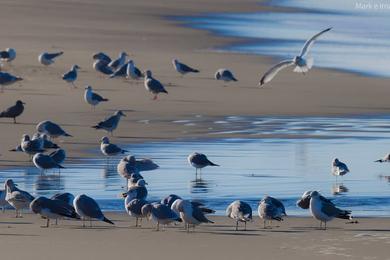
{"x":141,"y":183}
{"x":124,"y":54}
{"x":11,"y":53}
{"x":25,"y":138}
{"x":217,"y":75}
{"x":175,"y":61}
{"x":19,"y":103}
{"x":88,"y":88}
{"x":335,"y":161}
{"x":105,"y":140}
{"x":148,"y":74}
{"x":76,"y":67}
{"x":119,"y":113}
{"x":129,"y":158}
{"x":315,"y":194}
{"x":9,"y":183}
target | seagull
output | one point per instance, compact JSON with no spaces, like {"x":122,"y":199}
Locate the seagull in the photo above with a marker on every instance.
{"x":111,"y":123}
{"x":115,"y":64}
{"x":109,"y":149}
{"x":190,"y":213}
{"x":153,"y":85}
{"x":8,"y":55}
{"x":51,"y":129}
{"x":225,"y":75}
{"x":159,"y":213}
{"x":240,"y":211}
{"x":170,"y":199}
{"x":199,"y":161}
{"x":176,"y":202}
{"x":325,"y":211}
{"x":133,"y":72}
{"x":133,"y":180}
{"x":13,"y":111}
{"x":47,"y":59}
{"x":384,"y":159}
{"x":71,"y":75}
{"x":58,"y":155}
{"x":304,"y":201}
{"x":3,"y":202}
{"x":183,"y":68}
{"x":339,"y":168}
{"x":133,"y":208}
{"x":52,"y":209}
{"x":87,"y":208}
{"x":302,"y":62}
{"x":8,"y":79}
{"x":138,"y":191}
{"x":271,"y":209}
{"x":17,"y":198}
{"x":45,"y":162}
{"x":31,"y":146}
{"x":101,"y":63}
{"x":126,"y":170}
{"x":64,"y":196}
{"x":120,"y":72}
{"x":93,"y":98}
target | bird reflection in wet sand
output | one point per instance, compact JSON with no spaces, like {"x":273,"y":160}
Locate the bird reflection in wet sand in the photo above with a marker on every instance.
{"x":109,"y":171}
{"x":200,"y":186}
{"x":339,"y":189}
{"x":385,"y":177}
{"x":49,"y":182}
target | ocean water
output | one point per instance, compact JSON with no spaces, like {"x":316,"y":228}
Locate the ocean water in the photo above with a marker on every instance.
{"x":359,"y":41}
{"x":293,"y":155}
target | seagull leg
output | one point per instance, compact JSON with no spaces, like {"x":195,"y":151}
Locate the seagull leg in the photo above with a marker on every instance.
{"x":236,"y":225}
{"x":325,"y":226}
{"x":14,"y":120}
{"x":47,"y":222}
{"x":264,"y":222}
{"x":155,"y":97}
{"x":83,"y":222}
{"x":90,"y":222}
{"x":245,"y":225}
{"x":136,"y":222}
{"x":158,"y":226}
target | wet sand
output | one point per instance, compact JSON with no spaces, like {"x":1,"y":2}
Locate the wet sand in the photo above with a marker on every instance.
{"x":295,"y":238}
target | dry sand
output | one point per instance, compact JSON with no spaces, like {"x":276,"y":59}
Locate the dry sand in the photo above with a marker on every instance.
{"x":295,"y":238}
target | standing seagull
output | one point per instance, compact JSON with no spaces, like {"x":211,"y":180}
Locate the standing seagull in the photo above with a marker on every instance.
{"x":191,"y":213}
{"x":161,"y":214}
{"x":121,"y":72}
{"x":225,"y":75}
{"x":134,"y":209}
{"x":46,"y":58}
{"x":87,"y":208}
{"x":138,"y":191}
{"x":52,"y":209}
{"x":64,"y":196}
{"x":384,"y":159}
{"x":58,"y":155}
{"x":199,"y":161}
{"x":271,"y":209}
{"x":19,"y":199}
{"x":93,"y":98}
{"x":339,"y":168}
{"x":51,"y":129}
{"x":153,"y":85}
{"x":121,"y":60}
{"x":111,"y":123}
{"x":109,"y":149}
{"x":133,"y":72}
{"x":239,"y":211}
{"x":183,"y":68}
{"x":31,"y":146}
{"x":3,"y":202}
{"x":45,"y":162}
{"x":302,"y":62}
{"x":8,"y":79}
{"x":101,"y":63}
{"x":325,"y":211}
{"x":14,"y":111}
{"x":304,"y":201}
{"x":71,"y":75}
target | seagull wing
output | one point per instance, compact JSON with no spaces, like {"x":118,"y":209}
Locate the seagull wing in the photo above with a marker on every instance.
{"x":271,"y":73}
{"x":310,"y":42}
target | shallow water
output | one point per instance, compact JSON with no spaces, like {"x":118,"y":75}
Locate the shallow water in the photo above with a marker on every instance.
{"x":359,"y":41}
{"x":282,"y":166}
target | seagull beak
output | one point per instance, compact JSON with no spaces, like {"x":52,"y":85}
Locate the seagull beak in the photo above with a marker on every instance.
{"x":124,"y":195}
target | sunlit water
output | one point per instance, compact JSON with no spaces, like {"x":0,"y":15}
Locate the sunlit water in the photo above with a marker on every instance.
{"x":359,"y":41}
{"x":280,"y":165}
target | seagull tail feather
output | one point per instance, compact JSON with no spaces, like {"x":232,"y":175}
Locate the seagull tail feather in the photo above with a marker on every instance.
{"x":108,"y":221}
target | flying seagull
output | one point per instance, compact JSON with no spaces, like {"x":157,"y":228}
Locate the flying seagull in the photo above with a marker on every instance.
{"x":302,"y":62}
{"x":14,"y":111}
{"x":46,"y":58}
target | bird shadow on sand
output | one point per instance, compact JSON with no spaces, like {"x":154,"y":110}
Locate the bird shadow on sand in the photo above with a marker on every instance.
{"x":370,"y":230}
{"x":18,"y":123}
{"x":15,"y":223}
{"x":225,"y":233}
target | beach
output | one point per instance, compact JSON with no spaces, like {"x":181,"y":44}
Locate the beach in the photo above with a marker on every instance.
{"x":294,"y":238}
{"x":152,"y":36}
